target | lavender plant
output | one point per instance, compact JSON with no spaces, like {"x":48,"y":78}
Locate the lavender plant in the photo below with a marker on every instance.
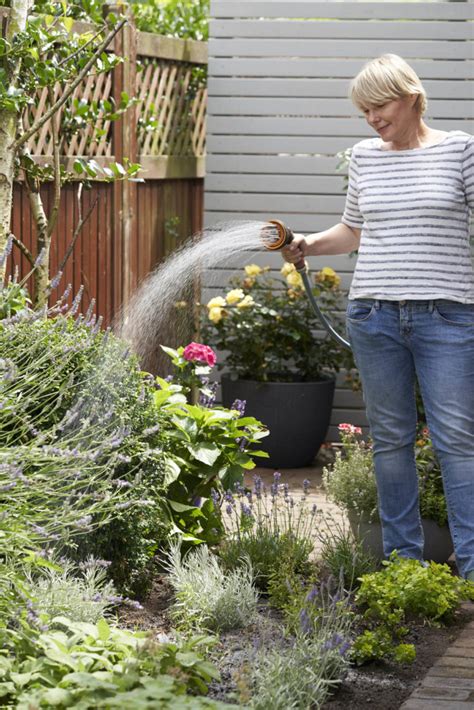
{"x":269,"y":527}
{"x":206,"y":596}
{"x":303,"y":673}
{"x":75,"y":444}
{"x":341,"y":553}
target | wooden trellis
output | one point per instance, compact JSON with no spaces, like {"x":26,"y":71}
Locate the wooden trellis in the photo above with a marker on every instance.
{"x":170,"y":114}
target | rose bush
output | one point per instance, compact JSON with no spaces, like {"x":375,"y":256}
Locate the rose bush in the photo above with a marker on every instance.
{"x":268,"y":329}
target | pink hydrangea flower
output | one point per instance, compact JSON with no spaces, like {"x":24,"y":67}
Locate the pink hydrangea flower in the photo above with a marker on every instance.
{"x":196,"y":352}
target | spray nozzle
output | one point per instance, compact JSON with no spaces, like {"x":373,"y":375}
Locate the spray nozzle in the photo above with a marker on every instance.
{"x":276,"y":235}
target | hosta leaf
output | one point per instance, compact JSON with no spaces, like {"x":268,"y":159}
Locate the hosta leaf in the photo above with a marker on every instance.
{"x":104,"y":629}
{"x":57,"y":696}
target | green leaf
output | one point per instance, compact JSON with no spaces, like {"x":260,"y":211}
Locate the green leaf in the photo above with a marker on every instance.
{"x":57,"y":696}
{"x":172,"y":471}
{"x":180,"y":507}
{"x":21,"y":679}
{"x":206,"y":453}
{"x":104,"y":629}
{"x":68,"y":23}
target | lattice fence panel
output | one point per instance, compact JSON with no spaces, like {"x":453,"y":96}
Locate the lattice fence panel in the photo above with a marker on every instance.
{"x":170,"y":110}
{"x":94,"y":88}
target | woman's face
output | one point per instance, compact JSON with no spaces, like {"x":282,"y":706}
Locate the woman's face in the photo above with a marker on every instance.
{"x":394,"y":119}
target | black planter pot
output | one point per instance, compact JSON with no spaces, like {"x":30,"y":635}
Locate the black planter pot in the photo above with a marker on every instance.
{"x":296,"y":413}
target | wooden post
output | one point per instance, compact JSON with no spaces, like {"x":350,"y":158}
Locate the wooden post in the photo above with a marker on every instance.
{"x":124,"y":146}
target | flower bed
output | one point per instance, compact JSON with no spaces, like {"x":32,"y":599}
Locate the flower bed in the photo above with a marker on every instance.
{"x":108,"y":474}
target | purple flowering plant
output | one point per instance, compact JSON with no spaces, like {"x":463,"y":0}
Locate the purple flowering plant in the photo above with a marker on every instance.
{"x":270,"y":526}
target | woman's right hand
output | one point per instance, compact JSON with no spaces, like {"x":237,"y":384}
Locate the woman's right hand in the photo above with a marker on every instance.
{"x":297,"y":250}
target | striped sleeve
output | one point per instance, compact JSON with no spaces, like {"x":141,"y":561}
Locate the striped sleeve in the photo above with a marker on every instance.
{"x":352,"y":216}
{"x":468,"y":172}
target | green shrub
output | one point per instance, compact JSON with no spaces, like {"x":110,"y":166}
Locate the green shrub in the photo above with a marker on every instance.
{"x":350,"y":480}
{"x":79,"y":416}
{"x":205,"y":596}
{"x":379,"y":644}
{"x":407,"y":587}
{"x":205,"y":448}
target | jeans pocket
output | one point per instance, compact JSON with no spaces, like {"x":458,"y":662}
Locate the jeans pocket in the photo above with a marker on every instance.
{"x":453,"y":313}
{"x":359,"y":310}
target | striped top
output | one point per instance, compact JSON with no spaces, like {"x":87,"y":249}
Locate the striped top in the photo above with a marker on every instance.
{"x":413,"y":207}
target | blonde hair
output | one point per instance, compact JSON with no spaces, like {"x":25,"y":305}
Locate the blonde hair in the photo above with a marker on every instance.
{"x":384,"y":79}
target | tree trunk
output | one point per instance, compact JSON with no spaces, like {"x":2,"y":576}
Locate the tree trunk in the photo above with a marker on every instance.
{"x":8,"y":127}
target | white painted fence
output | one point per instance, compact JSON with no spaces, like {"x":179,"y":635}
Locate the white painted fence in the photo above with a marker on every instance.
{"x":278,"y":111}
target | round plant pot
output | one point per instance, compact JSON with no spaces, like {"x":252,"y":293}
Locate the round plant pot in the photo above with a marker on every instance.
{"x":296,"y":413}
{"x":438,"y":542}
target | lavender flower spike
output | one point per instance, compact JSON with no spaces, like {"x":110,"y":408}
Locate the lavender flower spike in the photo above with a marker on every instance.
{"x":55,"y":281}
{"x":40,"y":258}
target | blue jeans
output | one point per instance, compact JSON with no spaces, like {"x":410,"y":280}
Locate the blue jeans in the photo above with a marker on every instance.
{"x":394,"y":342}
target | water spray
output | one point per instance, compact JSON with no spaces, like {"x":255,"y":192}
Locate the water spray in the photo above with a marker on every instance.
{"x":275,"y":236}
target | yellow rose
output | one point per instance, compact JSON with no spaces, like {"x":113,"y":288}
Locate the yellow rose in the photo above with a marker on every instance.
{"x":215,"y":314}
{"x":246,"y":302}
{"x":294,"y":279}
{"x":218,"y":301}
{"x":235,"y":295}
{"x":328,"y":276}
{"x":287,"y":268}
{"x":253,"y":270}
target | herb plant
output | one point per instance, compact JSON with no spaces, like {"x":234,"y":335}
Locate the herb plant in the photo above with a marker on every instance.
{"x":206,"y":597}
{"x":303,"y":673}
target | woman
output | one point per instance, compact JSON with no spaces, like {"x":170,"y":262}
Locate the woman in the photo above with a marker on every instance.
{"x":411,"y":304}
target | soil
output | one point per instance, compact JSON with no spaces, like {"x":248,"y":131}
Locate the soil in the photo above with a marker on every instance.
{"x":381,"y":686}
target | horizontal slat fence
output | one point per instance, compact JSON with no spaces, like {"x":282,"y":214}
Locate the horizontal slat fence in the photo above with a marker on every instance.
{"x":132,"y":226}
{"x":278,"y":111}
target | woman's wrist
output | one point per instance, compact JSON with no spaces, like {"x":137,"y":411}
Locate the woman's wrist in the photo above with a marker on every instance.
{"x":313,"y":244}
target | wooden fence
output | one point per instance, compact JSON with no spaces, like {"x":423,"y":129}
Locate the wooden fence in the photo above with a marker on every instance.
{"x":278,"y":111}
{"x":132,"y":225}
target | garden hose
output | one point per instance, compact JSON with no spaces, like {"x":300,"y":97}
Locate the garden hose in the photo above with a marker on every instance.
{"x":276,"y":236}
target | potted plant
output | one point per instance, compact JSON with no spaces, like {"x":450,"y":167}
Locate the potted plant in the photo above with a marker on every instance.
{"x":274,"y":360}
{"x":350,"y":483}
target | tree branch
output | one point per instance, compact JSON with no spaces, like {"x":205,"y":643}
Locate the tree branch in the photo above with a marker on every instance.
{"x":53,"y":217}
{"x":81,"y":49}
{"x":24,"y":249}
{"x":70,"y":89}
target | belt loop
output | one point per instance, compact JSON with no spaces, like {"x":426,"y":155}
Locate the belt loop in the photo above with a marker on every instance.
{"x":377,"y":304}
{"x":431,"y":305}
